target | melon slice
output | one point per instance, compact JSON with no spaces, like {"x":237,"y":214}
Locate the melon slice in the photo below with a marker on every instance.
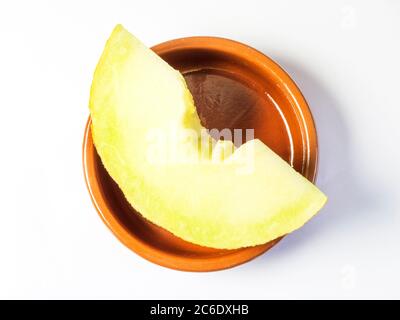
{"x":149,"y":137}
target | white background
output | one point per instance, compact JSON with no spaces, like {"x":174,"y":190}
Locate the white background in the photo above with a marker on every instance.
{"x":344,"y":55}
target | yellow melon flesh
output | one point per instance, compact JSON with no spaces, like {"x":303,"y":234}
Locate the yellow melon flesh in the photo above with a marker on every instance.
{"x":217,"y":200}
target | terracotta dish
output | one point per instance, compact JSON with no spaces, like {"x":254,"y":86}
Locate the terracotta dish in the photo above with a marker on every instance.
{"x":234,"y":86}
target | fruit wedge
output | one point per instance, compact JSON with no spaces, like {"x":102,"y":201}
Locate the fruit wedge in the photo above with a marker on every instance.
{"x":149,"y":137}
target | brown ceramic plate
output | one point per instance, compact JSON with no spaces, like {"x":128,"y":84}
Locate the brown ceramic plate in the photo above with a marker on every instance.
{"x":234,"y":86}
